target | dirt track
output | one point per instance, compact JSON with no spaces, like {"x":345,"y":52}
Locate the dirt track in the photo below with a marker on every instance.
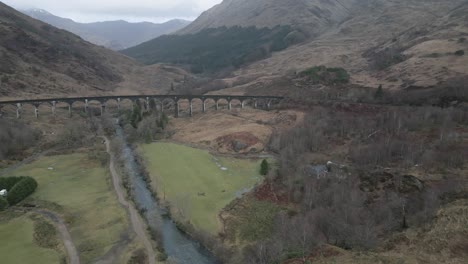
{"x":64,"y":234}
{"x":136,"y":222}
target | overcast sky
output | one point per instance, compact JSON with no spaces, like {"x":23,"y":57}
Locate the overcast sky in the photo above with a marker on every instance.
{"x":130,"y":10}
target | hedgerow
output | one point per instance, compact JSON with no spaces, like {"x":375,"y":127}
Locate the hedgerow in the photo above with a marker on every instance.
{"x":22,"y":189}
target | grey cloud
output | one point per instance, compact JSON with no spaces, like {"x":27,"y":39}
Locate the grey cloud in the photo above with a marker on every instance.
{"x":118,"y":9}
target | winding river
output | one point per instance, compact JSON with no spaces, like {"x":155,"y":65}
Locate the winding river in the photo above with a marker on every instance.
{"x":177,"y":245}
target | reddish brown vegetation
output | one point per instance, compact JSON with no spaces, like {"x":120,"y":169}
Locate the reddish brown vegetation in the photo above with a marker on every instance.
{"x":266,"y":192}
{"x":324,"y":251}
{"x":237,"y":141}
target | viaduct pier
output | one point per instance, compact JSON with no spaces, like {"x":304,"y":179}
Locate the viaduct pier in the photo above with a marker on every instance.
{"x":147,"y":101}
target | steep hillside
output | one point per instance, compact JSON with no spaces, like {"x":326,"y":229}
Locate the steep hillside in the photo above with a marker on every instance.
{"x":399,"y":44}
{"x":309,"y":16}
{"x":38,"y":60}
{"x":238,"y":32}
{"x":212,"y":50}
{"x":115,"y":35}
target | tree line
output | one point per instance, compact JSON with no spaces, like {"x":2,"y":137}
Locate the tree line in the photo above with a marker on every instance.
{"x":358,"y":205}
{"x":216,"y":48}
{"x":16,"y":136}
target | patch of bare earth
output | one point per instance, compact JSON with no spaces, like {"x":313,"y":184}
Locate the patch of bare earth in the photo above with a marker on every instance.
{"x":235,"y":131}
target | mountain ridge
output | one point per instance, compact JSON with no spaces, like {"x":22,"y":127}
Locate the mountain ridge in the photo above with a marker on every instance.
{"x":308,"y":16}
{"x":116,"y":35}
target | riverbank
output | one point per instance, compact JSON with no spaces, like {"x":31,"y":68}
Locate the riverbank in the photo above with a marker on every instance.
{"x":175,"y":244}
{"x":137,"y":223}
{"x":196,"y":184}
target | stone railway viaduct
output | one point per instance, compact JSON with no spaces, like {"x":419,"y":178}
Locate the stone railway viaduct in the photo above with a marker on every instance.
{"x":145,"y":100}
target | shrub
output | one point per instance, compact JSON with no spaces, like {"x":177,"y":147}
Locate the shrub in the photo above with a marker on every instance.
{"x":341,"y":75}
{"x":379,"y":92}
{"x":387,"y":57}
{"x":460,"y":52}
{"x":45,"y":234}
{"x":329,"y":76}
{"x":264,"y":167}
{"x":3,"y":203}
{"x":138,"y":256}
{"x":21,"y":190}
{"x":8,"y":182}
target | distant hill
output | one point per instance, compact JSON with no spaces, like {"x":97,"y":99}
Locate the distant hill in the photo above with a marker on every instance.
{"x":115,"y":35}
{"x":39,"y":60}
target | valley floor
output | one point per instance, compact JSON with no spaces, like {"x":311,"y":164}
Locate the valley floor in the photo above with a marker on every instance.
{"x":196,"y":184}
{"x":80,"y":191}
{"x":19,"y":244}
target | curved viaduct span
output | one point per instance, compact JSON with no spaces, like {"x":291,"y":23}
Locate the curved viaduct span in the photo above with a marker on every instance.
{"x":159,"y":101}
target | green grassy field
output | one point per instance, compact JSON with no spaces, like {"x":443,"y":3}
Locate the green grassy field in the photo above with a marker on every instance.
{"x":83,"y":189}
{"x":18,"y":245}
{"x":193,"y":182}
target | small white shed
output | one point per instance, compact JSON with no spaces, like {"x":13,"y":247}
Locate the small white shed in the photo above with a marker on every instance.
{"x":3,"y":193}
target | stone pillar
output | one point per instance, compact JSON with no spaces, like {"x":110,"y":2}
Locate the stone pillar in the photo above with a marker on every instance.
{"x":103,"y":108}
{"x":36,"y":112}
{"x":229,"y":105}
{"x":53,"y":107}
{"x":118,"y":104}
{"x":18,"y":110}
{"x":191,"y":108}
{"x":147,"y":104}
{"x":203,"y":106}
{"x":217,"y":105}
{"x":176,"y":106}
{"x":86,"y":106}
{"x":255,"y":104}
{"x":242,"y":104}
{"x":268,"y":104}
{"x":69,"y":110}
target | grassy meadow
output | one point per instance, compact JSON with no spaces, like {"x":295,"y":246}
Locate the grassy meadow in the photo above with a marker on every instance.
{"x":195,"y":183}
{"x":81,"y":190}
{"x":18,"y":245}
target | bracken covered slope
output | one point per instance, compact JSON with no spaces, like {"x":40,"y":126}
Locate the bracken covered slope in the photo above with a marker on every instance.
{"x":39,"y":60}
{"x":310,"y":16}
{"x":396,"y":43}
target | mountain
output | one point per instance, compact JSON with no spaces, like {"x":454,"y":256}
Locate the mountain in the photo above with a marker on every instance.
{"x":39,"y":60}
{"x":212,"y":50}
{"x":310,"y":16}
{"x":399,"y":44}
{"x":115,"y":35}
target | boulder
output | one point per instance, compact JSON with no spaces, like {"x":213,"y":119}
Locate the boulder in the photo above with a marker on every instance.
{"x":238,"y":145}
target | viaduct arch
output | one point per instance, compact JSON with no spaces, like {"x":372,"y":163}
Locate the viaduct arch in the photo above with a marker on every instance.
{"x":146,"y":100}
